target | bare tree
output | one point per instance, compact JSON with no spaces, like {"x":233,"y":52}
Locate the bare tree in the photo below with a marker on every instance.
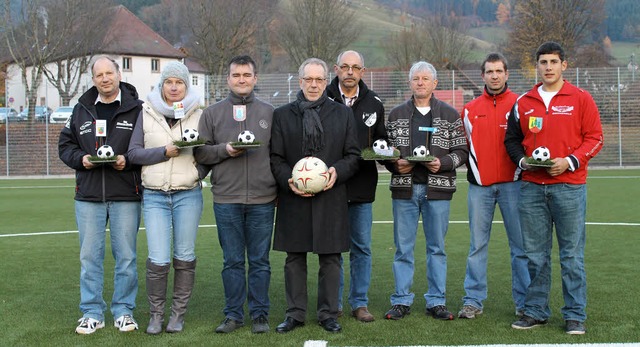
{"x":221,"y":29}
{"x":568,"y":22}
{"x":316,"y":28}
{"x":447,"y":40}
{"x":47,"y":31}
{"x":75,"y":54}
{"x":405,"y":47}
{"x":31,"y":40}
{"x":442,"y":41}
{"x":167,"y":18}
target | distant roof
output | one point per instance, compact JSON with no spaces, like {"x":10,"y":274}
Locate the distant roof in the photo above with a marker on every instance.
{"x":127,"y":34}
{"x":194,"y":66}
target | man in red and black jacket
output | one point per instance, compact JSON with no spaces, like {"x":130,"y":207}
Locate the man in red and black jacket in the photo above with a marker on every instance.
{"x":565,"y":119}
{"x":493,"y":179}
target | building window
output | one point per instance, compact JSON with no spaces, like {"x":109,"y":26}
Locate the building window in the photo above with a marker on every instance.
{"x":155,"y":65}
{"x":194,"y":80}
{"x":126,"y":63}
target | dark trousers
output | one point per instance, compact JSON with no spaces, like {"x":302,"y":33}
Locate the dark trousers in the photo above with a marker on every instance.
{"x":295,"y":283}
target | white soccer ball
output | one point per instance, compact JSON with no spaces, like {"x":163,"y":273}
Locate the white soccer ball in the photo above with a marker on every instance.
{"x":310,"y":175}
{"x":541,"y":154}
{"x":190,"y":135}
{"x":105,"y":152}
{"x":380,"y":146}
{"x":246,"y":137}
{"x":420,"y":151}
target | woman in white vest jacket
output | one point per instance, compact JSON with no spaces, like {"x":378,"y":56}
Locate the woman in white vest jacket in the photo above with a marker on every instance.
{"x":172,"y":198}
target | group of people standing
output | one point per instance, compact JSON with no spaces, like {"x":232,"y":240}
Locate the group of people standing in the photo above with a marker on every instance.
{"x":332,"y":120}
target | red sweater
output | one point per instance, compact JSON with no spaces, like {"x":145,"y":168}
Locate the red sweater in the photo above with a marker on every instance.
{"x":485,"y":124}
{"x":570,"y":128}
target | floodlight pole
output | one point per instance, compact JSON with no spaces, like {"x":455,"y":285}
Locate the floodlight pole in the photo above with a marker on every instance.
{"x":633,"y":66}
{"x":6,"y":123}
{"x":289,"y":81}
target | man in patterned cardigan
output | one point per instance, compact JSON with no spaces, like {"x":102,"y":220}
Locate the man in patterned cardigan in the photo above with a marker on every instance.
{"x":423,"y":188}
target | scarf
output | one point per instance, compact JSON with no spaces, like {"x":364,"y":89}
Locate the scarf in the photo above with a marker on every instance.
{"x":156,"y":101}
{"x":312,"y":131}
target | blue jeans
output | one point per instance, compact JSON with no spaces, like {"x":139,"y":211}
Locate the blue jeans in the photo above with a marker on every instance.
{"x":360,"y":222}
{"x":245,"y":228}
{"x":541,"y":207}
{"x":435,"y":221}
{"x":124,"y":221}
{"x":172,"y":217}
{"x":482,"y":202}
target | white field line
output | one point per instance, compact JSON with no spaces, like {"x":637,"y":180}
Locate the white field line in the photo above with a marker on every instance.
{"x":381,"y":182}
{"x":321,"y":343}
{"x":214,"y":226}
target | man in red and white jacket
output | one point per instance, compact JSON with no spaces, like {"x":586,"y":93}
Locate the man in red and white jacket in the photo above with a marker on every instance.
{"x":493,"y":179}
{"x":565,"y":119}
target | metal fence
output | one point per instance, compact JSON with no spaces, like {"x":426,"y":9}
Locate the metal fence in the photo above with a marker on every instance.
{"x":28,"y":149}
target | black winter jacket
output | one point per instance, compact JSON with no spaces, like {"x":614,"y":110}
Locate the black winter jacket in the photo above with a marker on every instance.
{"x":77,"y":138}
{"x":367,"y":107}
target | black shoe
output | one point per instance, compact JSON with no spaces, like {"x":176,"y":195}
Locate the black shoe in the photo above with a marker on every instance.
{"x":260,"y":325}
{"x":440,"y":312}
{"x":331,"y":325}
{"x":574,"y":327}
{"x":526,"y":322}
{"x":397,"y":312}
{"x":288,"y":325}
{"x":228,"y":325}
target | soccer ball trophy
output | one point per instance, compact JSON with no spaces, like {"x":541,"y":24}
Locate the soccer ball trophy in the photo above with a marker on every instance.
{"x":190,"y":135}
{"x":420,"y":151}
{"x":105,"y":152}
{"x":246,"y":137}
{"x":541,"y":154}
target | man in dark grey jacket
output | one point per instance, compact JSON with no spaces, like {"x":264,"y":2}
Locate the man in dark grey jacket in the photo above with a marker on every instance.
{"x":244,"y":193}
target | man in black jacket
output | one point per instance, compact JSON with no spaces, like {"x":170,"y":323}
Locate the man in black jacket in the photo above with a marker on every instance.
{"x":348,"y":88}
{"x":105,"y":192}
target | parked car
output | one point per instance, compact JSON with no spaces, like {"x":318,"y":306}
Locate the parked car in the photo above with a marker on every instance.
{"x":61,"y":114}
{"x":9,"y":113}
{"x":42,"y":113}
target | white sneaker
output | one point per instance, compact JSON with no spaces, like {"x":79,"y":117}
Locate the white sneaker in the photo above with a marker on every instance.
{"x":88,"y":325}
{"x":125,"y":323}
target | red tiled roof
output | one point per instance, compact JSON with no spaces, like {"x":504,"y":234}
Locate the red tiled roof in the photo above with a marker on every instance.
{"x":128,"y":34}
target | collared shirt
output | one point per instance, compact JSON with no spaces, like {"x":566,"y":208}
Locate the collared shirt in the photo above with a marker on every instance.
{"x":118,"y":98}
{"x":349,"y":101}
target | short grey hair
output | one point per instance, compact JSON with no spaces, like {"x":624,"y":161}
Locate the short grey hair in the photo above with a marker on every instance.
{"x":313,"y":61}
{"x":422,"y":66}
{"x":350,"y":51}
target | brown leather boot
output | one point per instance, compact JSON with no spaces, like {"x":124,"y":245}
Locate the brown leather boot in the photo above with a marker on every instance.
{"x":362,"y":314}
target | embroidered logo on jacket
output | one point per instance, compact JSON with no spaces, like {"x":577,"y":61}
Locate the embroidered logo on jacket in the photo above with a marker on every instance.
{"x":568,"y":110}
{"x":124,"y":125}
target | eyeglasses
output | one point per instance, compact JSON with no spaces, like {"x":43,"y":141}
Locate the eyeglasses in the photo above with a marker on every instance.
{"x":310,"y":80}
{"x":355,"y":68}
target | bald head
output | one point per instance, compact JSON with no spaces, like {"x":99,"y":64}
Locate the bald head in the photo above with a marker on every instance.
{"x":349,"y":69}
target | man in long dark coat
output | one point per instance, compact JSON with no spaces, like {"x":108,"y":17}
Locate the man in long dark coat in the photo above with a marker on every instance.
{"x":313,"y":125}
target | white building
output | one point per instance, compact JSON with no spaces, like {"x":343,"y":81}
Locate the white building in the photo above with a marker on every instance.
{"x":140,"y":52}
